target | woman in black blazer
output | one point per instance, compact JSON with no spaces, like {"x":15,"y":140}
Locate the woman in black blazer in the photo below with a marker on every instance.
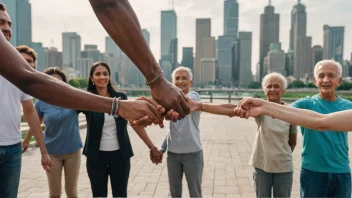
{"x":107,"y":147}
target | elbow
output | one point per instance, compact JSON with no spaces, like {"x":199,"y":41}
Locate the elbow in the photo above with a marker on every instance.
{"x":321,"y":125}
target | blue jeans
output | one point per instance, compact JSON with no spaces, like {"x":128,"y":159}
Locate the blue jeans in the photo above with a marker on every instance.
{"x":192,"y":165}
{"x":279,"y":183}
{"x":10,"y":170}
{"x":315,"y":184}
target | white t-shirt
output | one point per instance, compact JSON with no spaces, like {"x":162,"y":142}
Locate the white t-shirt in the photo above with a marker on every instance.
{"x":109,"y":141}
{"x":10,"y":112}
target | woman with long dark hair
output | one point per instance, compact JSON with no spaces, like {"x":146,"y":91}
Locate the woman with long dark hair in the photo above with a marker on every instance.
{"x":108,"y":148}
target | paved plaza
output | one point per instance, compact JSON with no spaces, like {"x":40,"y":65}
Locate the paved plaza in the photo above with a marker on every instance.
{"x":227,"y":144}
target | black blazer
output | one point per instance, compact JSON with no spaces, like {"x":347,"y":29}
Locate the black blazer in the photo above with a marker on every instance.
{"x":95,"y":123}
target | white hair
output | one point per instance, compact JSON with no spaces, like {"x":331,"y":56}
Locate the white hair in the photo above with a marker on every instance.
{"x":182,"y":68}
{"x":325,"y":62}
{"x":274,"y":75}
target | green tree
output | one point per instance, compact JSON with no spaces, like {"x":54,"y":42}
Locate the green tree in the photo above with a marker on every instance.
{"x":74,"y":83}
{"x":310,"y":85}
{"x":254,"y":85}
{"x":296,"y":84}
{"x":83,"y":82}
{"x":345,"y":86}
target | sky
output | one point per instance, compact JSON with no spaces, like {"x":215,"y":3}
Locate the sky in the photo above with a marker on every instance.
{"x":51,"y":18}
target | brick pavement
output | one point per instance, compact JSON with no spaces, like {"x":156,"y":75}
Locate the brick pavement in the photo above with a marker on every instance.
{"x":227,"y":146}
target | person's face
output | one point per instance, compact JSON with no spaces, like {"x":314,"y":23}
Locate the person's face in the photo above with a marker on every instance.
{"x":57,"y":76}
{"x":101,"y":77}
{"x":29,"y":59}
{"x":182,"y":81}
{"x":5,"y":25}
{"x":274,"y":89}
{"x":327,"y":79}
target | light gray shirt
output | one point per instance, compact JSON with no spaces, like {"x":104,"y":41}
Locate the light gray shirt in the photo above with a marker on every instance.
{"x":184,"y":135}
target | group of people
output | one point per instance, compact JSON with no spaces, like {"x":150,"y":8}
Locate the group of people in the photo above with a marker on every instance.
{"x":323,"y":117}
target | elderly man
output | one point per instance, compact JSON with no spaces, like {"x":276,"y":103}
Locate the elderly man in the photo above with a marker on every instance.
{"x":325,"y":165}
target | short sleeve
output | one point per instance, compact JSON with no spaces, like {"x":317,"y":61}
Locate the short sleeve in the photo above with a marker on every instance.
{"x":37,"y":106}
{"x":25,"y":97}
{"x":301,"y":103}
{"x":194,"y":96}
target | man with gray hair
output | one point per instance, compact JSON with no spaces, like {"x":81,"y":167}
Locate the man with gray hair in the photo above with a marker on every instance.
{"x":325,"y":165}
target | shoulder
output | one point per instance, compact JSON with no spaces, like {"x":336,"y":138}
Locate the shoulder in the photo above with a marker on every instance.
{"x":303,"y":102}
{"x":346,"y":102}
{"x":193,"y":95}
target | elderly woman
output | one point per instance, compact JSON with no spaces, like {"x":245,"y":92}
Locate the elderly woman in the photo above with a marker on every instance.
{"x":273,"y":145}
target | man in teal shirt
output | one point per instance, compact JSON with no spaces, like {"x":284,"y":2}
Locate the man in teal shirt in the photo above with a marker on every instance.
{"x":325,"y":165}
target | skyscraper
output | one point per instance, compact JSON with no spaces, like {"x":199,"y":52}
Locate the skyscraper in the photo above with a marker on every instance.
{"x":244,"y":59}
{"x":203,"y":30}
{"x":276,"y":59}
{"x":71,"y":49}
{"x":111,"y":48}
{"x":269,"y":33}
{"x":40,"y":63}
{"x":334,"y":38}
{"x":146,"y":36}
{"x":231,"y":18}
{"x":53,"y":57}
{"x":168,"y":30}
{"x":224,"y":60}
{"x":301,"y":43}
{"x":187,"y":57}
{"x":317,"y":54}
{"x":20,"y":12}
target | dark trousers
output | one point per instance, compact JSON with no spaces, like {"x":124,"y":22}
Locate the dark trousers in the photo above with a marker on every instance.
{"x":109,"y":163}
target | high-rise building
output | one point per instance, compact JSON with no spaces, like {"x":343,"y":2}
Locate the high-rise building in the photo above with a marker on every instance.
{"x":334,"y":38}
{"x":168,"y":30}
{"x":317,"y":54}
{"x":92,"y":52}
{"x":187,"y":57}
{"x":83,"y":66}
{"x":289,"y":62}
{"x":301,"y":43}
{"x":269,"y":33}
{"x":231,"y":18}
{"x":71,"y":49}
{"x":53,"y":57}
{"x":276,"y":59}
{"x":40,"y":63}
{"x":20,"y":12}
{"x":173,"y":53}
{"x":244,"y":59}
{"x":203,"y":30}
{"x":111,"y":47}
{"x":208,"y":70}
{"x":224,"y":60}
{"x":146,"y":36}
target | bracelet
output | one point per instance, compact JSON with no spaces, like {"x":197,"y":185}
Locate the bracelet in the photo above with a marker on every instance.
{"x":202,"y":106}
{"x":154,"y":79}
{"x":116,"y":114}
{"x":113,"y":106}
{"x":153,"y":148}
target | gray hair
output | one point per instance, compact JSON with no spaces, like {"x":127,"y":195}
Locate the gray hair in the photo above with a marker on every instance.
{"x":182,"y":68}
{"x":333,"y":62}
{"x":274,"y":75}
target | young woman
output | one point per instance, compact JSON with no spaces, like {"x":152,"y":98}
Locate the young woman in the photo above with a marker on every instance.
{"x":107,"y":147}
{"x":62,"y":140}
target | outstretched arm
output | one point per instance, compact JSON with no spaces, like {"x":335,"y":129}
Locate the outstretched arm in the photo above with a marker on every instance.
{"x":121,"y":22}
{"x":46,"y":88}
{"x":220,"y":109}
{"x":338,"y":121}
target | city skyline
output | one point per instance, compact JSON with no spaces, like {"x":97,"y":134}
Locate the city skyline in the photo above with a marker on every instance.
{"x":149,"y":15}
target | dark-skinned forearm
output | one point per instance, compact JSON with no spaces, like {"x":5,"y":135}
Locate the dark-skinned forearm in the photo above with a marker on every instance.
{"x":121,"y":23}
